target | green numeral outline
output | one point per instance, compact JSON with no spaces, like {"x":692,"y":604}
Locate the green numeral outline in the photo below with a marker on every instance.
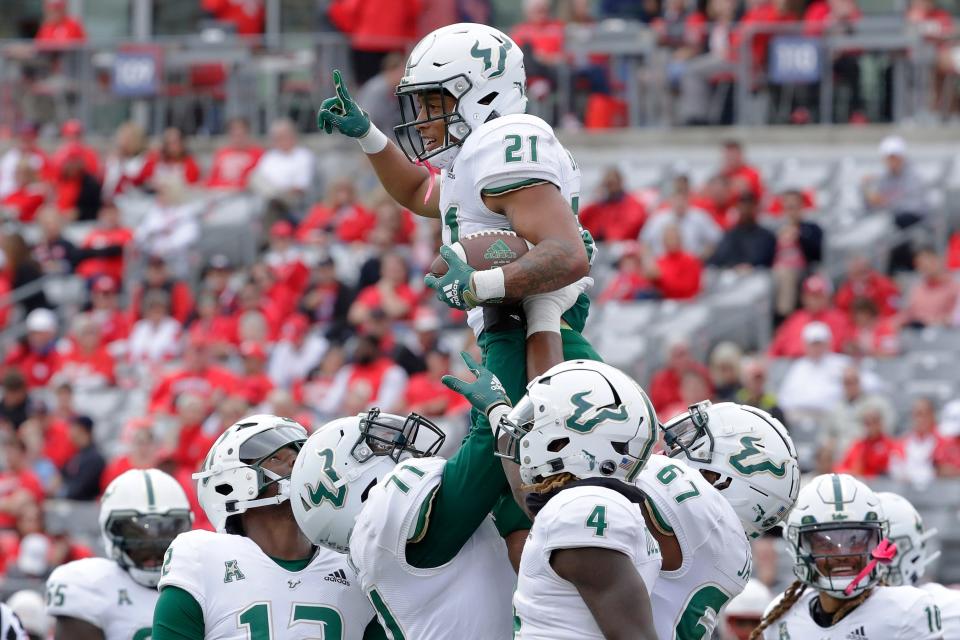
{"x":450,"y":219}
{"x":670,"y":473}
{"x":514,"y":150}
{"x":387,"y":619}
{"x":933,"y":618}
{"x":258,"y":620}
{"x":691,"y":624}
{"x":597,"y":520}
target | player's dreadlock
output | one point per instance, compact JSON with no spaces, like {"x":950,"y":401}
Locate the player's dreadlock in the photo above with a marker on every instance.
{"x":790,"y":597}
{"x":849,"y":606}
{"x":551,"y":483}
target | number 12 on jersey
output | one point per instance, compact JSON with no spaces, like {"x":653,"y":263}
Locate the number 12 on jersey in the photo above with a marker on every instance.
{"x":256,"y":619}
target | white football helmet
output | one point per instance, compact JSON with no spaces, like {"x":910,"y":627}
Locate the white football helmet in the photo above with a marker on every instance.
{"x":907,"y":531}
{"x":836,"y":525}
{"x":232,"y":479}
{"x":10,"y":626}
{"x":141,"y":512}
{"x":479,"y":66}
{"x":581,"y":417}
{"x":749,"y":449}
{"x":32,"y":610}
{"x":745,"y":611}
{"x":343,"y":460}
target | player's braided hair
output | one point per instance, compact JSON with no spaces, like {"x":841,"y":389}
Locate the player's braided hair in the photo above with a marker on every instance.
{"x":790,"y":597}
{"x":550,"y":483}
{"x":849,"y":606}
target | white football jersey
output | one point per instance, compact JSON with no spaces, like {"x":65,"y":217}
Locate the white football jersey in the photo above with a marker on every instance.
{"x":499,"y":156}
{"x":717,"y":560}
{"x":890,"y":613}
{"x":948,"y":604}
{"x":245,"y":594}
{"x":469,"y":597}
{"x":10,"y":627}
{"x":99,"y":591}
{"x":549,"y":607}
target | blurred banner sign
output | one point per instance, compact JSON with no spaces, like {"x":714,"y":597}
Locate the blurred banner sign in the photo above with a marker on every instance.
{"x":794,"y":60}
{"x":137,"y":71}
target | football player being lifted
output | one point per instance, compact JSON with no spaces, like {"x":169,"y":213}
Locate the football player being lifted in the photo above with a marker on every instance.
{"x":257,"y":576}
{"x":462,"y":100}
{"x":112,"y":598}
{"x":838,"y":536}
{"x":913,"y":557}
{"x":731,"y":474}
{"x":416,"y":526}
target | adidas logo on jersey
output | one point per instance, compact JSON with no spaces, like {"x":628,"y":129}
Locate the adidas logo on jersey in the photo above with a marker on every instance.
{"x":339,"y":577}
{"x":857,"y":634}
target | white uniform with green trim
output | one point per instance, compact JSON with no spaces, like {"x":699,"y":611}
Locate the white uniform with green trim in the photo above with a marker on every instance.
{"x":499,"y":156}
{"x":469,"y":597}
{"x":244,"y":594}
{"x":99,"y":591}
{"x":948,"y":602}
{"x":549,"y":607}
{"x":890,"y":613}
{"x":716,"y":553}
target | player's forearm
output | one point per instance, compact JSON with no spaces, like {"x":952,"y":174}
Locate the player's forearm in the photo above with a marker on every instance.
{"x":406,"y":182}
{"x":550,"y":265}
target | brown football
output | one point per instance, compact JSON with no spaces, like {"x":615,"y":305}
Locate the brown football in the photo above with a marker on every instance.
{"x":485,"y":250}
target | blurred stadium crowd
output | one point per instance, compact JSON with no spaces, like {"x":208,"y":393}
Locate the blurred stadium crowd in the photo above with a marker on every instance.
{"x":151,"y":296}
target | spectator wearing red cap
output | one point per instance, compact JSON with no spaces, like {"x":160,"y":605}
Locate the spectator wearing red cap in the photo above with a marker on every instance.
{"x":372,"y":379}
{"x":58,"y":28}
{"x":172,"y":160}
{"x":428,"y":396}
{"x":665,"y":385}
{"x":340,"y":213}
{"x":743,"y":177}
{"x":788,"y":341}
{"x":297,"y":352}
{"x":157,"y":276}
{"x":255,"y":384}
{"x":25,"y":150}
{"x":391,"y":294}
{"x":616,"y":215}
{"x":197,"y":375}
{"x":246,"y":15}
{"x":86,"y":364}
{"x":155,"y":338}
{"x":37,"y":357}
{"x":124,"y":163}
{"x":234,"y":162}
{"x":28,"y":194}
{"x":73,"y":144}
{"x":376,"y":28}
{"x":863,"y":281}
{"x":104,"y":245}
{"x":115,"y":323}
{"x":19,"y":485}
{"x":630,"y":281}
{"x":933,"y":298}
{"x":77,"y":192}
{"x":140,"y":447}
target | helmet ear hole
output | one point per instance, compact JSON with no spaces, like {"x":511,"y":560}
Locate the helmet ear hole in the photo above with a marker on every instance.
{"x":487,"y":99}
{"x":619,"y":447}
{"x":223,"y":489}
{"x":366,"y":492}
{"x":558,"y":444}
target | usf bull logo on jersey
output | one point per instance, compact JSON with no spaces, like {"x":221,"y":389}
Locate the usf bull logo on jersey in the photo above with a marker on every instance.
{"x":751,"y":460}
{"x":336,"y":493}
{"x":586,"y":417}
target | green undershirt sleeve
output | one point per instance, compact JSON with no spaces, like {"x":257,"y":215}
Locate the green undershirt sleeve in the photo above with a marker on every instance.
{"x":374,"y":631}
{"x":177,"y":616}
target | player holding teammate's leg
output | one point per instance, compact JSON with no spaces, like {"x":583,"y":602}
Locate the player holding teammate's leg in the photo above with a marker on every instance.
{"x":463,"y":99}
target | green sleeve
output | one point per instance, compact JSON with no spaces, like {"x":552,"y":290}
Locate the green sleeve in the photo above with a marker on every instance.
{"x":374,"y":631}
{"x":471,"y":485}
{"x":177,"y":616}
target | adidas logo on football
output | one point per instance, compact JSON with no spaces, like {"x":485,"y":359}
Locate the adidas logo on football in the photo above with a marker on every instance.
{"x":339,"y":577}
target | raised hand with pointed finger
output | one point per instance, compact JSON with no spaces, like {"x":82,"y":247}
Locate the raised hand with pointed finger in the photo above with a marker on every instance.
{"x":342,"y":113}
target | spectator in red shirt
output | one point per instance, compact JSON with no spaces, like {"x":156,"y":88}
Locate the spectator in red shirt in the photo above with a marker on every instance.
{"x":870,"y":456}
{"x":255,"y":384}
{"x":233,"y":163}
{"x":392,"y":294}
{"x":665,"y":385}
{"x":246,"y":15}
{"x":617,"y":215}
{"x":675,"y":274}
{"x":38,"y":357}
{"x":123,"y":165}
{"x":72,"y":134}
{"x":376,"y":28}
{"x":55,"y":428}
{"x":873,"y":336}
{"x":694,"y":388}
{"x":286,"y":260}
{"x":106,"y":241}
{"x":815,"y":299}
{"x":932,"y":300}
{"x":19,"y":486}
{"x":141,"y":451}
{"x":341,"y":213}
{"x":171,"y":160}
{"x":114,"y":322}
{"x":540,"y":34}
{"x":428,"y":396}
{"x":198,"y":375}
{"x":863,"y":281}
{"x":77,"y":193}
{"x":393,"y":225}
{"x":714,"y":198}
{"x":58,"y":28}
{"x":158,"y":276}
{"x":923,"y":453}
{"x":743,"y":177}
{"x":192,"y":442}
{"x":28,"y":195}
{"x":630,"y":281}
{"x":372,"y":379}
{"x":86,"y":363}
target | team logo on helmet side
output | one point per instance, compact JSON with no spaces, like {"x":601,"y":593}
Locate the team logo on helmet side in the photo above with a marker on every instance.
{"x":578,"y":420}
{"x":762,"y":464}
{"x":486,"y":54}
{"x":326,"y":487}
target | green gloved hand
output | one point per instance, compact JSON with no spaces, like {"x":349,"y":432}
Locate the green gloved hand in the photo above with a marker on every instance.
{"x":342,"y":112}
{"x":484,"y":393}
{"x":455,"y":287}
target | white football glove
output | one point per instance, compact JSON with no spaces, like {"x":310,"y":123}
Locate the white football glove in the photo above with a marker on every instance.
{"x":544,"y":310}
